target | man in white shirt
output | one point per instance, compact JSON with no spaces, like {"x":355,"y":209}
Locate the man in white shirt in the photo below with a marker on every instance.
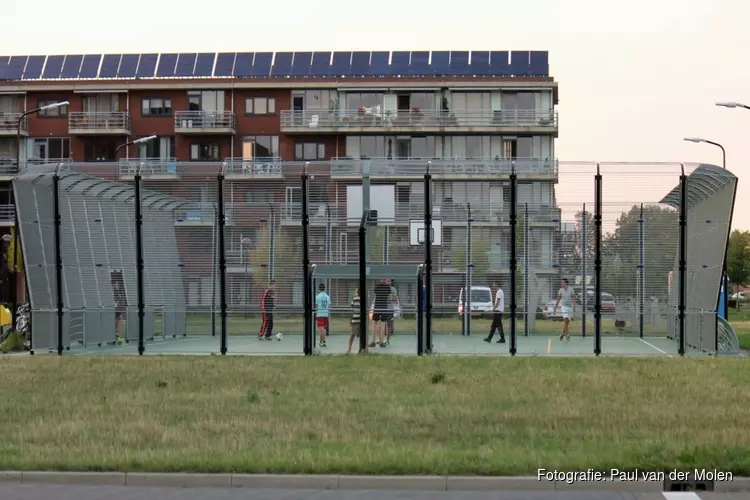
{"x":498,"y":307}
{"x":566,"y":298}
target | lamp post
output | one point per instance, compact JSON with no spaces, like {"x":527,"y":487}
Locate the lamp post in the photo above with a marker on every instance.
{"x":725,"y":279}
{"x":14,"y":274}
{"x":137,"y":141}
{"x":732,"y":105}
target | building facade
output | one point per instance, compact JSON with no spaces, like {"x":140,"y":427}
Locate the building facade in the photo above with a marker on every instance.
{"x":473,"y":116}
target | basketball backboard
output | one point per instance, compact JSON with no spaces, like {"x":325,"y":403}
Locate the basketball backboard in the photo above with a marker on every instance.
{"x":417,"y":232}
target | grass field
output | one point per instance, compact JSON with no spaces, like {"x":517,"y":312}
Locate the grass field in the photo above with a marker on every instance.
{"x":741,"y":322}
{"x":378,"y":415}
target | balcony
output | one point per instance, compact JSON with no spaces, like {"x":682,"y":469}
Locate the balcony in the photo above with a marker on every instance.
{"x":151,"y":168}
{"x":202,"y":214}
{"x":253,"y":168}
{"x":7,"y":215}
{"x":319,"y":213}
{"x":374,"y":120}
{"x":9,"y":125}
{"x":204,"y":122}
{"x":107,"y":123}
{"x":8,"y":168}
{"x":531,"y":169}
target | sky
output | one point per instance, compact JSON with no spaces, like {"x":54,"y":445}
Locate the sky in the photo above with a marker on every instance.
{"x":634,"y":77}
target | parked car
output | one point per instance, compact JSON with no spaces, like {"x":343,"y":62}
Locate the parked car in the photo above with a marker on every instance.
{"x":481,"y":301}
{"x":548,"y":311}
{"x":608,"y":302}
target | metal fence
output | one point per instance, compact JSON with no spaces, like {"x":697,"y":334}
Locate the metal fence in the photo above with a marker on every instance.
{"x":227,"y":248}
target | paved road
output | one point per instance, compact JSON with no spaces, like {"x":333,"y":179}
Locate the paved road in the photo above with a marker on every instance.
{"x":10,"y":491}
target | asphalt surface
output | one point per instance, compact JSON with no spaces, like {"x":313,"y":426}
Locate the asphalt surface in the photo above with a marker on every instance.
{"x":10,"y":491}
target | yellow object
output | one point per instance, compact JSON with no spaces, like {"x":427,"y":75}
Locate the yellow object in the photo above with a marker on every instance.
{"x":5,"y":317}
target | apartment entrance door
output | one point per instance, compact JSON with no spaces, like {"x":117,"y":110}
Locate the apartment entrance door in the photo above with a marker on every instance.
{"x":403,"y":148}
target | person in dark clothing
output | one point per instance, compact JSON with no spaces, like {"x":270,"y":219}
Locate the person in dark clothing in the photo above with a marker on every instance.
{"x":498,"y":306}
{"x":381,"y":314}
{"x":267,"y":304}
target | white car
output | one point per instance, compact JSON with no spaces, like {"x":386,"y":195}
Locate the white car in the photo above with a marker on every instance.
{"x":548,"y":312}
{"x":481,"y":301}
{"x":738,"y":296}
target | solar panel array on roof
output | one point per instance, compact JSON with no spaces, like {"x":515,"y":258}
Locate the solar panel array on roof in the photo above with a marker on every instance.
{"x":278,"y":65}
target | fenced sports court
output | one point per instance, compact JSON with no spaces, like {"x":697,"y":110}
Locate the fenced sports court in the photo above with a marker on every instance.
{"x":156,"y":257}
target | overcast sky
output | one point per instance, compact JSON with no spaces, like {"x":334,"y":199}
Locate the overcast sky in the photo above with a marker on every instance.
{"x":635,"y":77}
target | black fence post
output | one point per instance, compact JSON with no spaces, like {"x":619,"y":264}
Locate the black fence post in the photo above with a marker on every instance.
{"x":363,"y":309}
{"x":513,"y":257}
{"x":584,"y":269}
{"x":222,"y":261}
{"x":58,"y":258}
{"x":682,"y":297}
{"x":139,"y":258}
{"x":641,"y":272}
{"x":598,"y":262}
{"x":307,"y":345}
{"x":428,"y":258}
{"x":420,"y":313}
{"x":468,"y":276}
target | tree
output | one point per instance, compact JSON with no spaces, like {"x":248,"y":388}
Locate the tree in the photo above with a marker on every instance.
{"x":10,"y":253}
{"x":376,"y":236}
{"x":738,"y":258}
{"x":480,"y":255}
{"x":572,"y":245}
{"x":286,"y":257}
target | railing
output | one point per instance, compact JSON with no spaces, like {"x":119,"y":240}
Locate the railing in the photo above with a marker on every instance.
{"x":201,"y":213}
{"x":113,"y":120}
{"x":446,"y":168}
{"x":149,"y":166}
{"x":9,"y":123}
{"x":377,"y":118}
{"x":318,"y":212}
{"x":202,"y":120}
{"x":271,"y":167}
{"x":8,"y":166}
{"x":7,"y":213}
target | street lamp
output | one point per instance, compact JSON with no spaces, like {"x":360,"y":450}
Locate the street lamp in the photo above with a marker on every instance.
{"x":732,"y":105}
{"x":137,"y":141}
{"x":706,"y":141}
{"x":14,"y":274}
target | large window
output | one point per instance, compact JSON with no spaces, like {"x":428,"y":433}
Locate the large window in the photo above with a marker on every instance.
{"x":260,"y":146}
{"x":54,"y":112}
{"x":99,"y":149}
{"x":309,"y":151}
{"x":205,"y":151}
{"x":9,"y":104}
{"x":471,"y":102}
{"x":156,"y":107}
{"x":393,"y":147}
{"x":51,"y":148}
{"x":100,"y":103}
{"x":518,"y":100}
{"x":161,"y":147}
{"x":423,"y":101}
{"x":260,"y":106}
{"x":206,"y":100}
{"x":363,"y":100}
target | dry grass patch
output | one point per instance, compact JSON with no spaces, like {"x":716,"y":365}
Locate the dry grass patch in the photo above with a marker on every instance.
{"x":378,"y":415}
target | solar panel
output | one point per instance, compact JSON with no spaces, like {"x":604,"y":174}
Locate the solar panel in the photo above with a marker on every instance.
{"x":146,"y":64}
{"x":440,"y":63}
{"x":3,"y":66}
{"x":341,"y":63}
{"x":72,"y":67}
{"x":519,"y":63}
{"x":14,"y":69}
{"x":243,"y":65}
{"x":262,"y":64}
{"x":301,"y":64}
{"x":400,"y":63}
{"x":480,"y":63}
{"x":321,"y":64}
{"x":282,"y":64}
{"x":499,"y":64}
{"x":128,"y":66}
{"x":204,"y":65}
{"x":90,"y":66}
{"x":34,"y":67}
{"x":360,"y":65}
{"x":110,"y":65}
{"x":225,"y":64}
{"x":167,"y":64}
{"x":420,"y":64}
{"x":459,"y":63}
{"x":185,"y":65}
{"x":539,"y":63}
{"x":379,"y":64}
{"x":53,"y":67}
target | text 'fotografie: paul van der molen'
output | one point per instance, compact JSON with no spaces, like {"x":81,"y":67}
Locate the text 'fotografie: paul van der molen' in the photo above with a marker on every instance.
{"x":634,"y":475}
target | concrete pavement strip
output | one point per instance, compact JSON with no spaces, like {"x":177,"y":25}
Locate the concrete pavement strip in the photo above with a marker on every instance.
{"x":342,"y":482}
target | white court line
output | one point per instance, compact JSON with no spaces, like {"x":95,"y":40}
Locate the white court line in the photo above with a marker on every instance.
{"x":663,"y":352}
{"x":681,"y":495}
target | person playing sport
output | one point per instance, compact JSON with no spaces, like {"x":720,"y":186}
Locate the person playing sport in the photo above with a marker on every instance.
{"x":394,"y":309}
{"x":355,"y":304}
{"x":566,"y":298}
{"x":381,"y":314}
{"x":267,"y":304}
{"x":322,"y":302}
{"x":498,"y":307}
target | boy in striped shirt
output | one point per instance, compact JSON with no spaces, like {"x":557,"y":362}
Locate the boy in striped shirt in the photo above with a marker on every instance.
{"x":355,"y":320}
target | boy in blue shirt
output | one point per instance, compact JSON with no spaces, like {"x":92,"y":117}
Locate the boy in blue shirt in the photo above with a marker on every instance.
{"x":322,"y":302}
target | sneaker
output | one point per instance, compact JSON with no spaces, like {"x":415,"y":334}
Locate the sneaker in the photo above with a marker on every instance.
{"x":501,"y":341}
{"x":562,"y":336}
{"x":487,"y":339}
{"x":372,"y":344}
{"x":388,"y":342}
{"x":382,"y":344}
{"x":322,"y":344}
{"x":269,"y":337}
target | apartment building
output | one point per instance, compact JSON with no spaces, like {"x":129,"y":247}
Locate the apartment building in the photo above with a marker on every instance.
{"x":471,"y":114}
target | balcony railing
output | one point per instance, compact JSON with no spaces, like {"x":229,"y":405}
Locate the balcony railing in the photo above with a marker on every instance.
{"x":203,"y":122}
{"x":9,"y":124}
{"x":150,"y":167}
{"x":7,"y":213}
{"x":376,"y":118}
{"x":524,"y":167}
{"x":256,"y":168}
{"x":113,"y":122}
{"x":202,"y":214}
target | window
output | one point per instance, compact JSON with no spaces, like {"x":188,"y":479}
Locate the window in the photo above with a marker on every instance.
{"x":309,"y":151}
{"x":205,"y":151}
{"x":101,"y":103}
{"x":403,"y":193}
{"x":355,"y":101}
{"x":260,"y":146}
{"x":161,"y":147}
{"x":54,"y":112}
{"x":260,"y":105}
{"x":156,"y":107}
{"x":51,"y":147}
{"x":99,"y":149}
{"x":206,"y":100}
{"x":258,"y":195}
